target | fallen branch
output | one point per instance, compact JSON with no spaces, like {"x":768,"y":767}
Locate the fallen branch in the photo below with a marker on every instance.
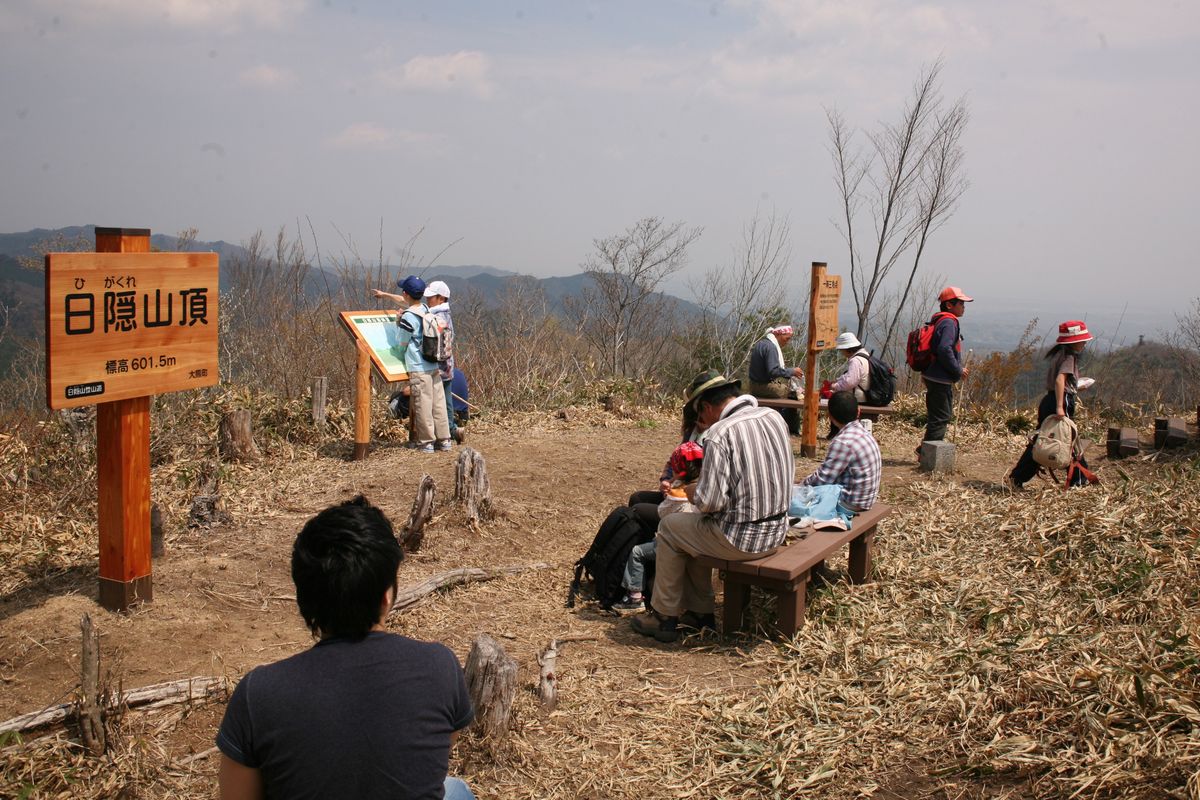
{"x":456,"y":577}
{"x":160,"y":694}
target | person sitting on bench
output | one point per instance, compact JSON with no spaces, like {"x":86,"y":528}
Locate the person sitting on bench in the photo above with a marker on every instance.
{"x":742,"y":496}
{"x":853,"y":460}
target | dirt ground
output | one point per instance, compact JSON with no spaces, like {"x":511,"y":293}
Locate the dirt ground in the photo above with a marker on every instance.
{"x":223,"y":599}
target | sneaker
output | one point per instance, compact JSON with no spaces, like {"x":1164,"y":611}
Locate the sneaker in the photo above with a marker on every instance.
{"x":426,"y":447}
{"x":664,"y":629}
{"x":445,"y":444}
{"x":633,"y":601}
{"x":700,"y":622}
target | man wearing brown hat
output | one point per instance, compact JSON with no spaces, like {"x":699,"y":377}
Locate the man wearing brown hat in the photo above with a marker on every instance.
{"x":742,"y":497}
{"x":947,"y":368}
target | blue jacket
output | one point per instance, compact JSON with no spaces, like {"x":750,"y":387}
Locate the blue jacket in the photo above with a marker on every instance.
{"x":764,"y":363}
{"x":409,"y":338}
{"x":947,"y":358}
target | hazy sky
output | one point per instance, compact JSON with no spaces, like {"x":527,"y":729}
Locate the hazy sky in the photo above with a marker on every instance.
{"x":518,"y":132}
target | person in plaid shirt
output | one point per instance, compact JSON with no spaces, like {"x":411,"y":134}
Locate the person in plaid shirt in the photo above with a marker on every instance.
{"x":853,"y":460}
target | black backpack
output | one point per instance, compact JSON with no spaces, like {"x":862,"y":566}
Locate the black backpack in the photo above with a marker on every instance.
{"x":605,"y":560}
{"x":882,"y":384}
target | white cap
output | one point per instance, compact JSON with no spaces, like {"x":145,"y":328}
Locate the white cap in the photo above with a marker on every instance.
{"x":438,"y":288}
{"x":845,"y":341}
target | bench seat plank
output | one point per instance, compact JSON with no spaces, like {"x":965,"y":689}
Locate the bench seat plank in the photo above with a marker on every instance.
{"x":785,"y":572}
{"x":788,"y":402}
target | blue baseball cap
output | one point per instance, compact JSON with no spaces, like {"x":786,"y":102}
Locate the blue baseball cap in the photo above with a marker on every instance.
{"x":412,"y":286}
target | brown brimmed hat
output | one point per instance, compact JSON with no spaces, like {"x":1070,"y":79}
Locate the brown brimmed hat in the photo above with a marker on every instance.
{"x":705,"y":382}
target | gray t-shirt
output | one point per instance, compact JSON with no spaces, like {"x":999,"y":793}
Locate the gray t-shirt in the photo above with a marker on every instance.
{"x":366,"y":719}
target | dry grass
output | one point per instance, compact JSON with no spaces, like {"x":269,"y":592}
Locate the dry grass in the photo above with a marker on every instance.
{"x":1036,"y":644}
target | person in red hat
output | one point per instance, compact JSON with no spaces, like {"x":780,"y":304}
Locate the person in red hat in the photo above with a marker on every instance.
{"x":947,"y":368}
{"x":1062,"y":386}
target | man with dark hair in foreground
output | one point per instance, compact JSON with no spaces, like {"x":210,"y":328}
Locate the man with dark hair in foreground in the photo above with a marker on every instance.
{"x":363,"y":713}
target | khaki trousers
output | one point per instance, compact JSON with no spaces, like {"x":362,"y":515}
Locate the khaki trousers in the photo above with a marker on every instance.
{"x":428,"y":406}
{"x":680,"y":582}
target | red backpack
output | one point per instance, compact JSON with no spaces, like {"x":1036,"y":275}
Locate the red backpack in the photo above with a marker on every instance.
{"x":919,"y":353}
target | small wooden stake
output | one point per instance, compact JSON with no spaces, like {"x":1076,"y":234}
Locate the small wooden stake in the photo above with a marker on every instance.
{"x":548,"y":678}
{"x":320,"y":386}
{"x":91,"y":721}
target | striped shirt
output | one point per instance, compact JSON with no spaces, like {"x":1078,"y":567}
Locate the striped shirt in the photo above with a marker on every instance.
{"x":853,"y":462}
{"x":747,"y":475}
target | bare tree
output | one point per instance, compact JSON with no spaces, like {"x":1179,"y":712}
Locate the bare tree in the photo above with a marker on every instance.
{"x":627,"y":271}
{"x":740,"y":299}
{"x":906,"y":183}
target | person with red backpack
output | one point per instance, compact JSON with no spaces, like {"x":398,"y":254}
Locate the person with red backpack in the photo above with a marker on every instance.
{"x":946,"y":367}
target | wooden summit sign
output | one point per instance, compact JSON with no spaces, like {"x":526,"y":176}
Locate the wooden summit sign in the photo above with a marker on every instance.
{"x":122,"y":325}
{"x":822,"y":335}
{"x":827,"y":293}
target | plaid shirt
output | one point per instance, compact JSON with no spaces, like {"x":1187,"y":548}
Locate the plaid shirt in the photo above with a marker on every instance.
{"x":854,"y":462}
{"x":747,"y":475}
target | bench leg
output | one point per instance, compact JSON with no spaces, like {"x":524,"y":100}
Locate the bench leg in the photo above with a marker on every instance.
{"x":792,"y":605}
{"x":860,"y":557}
{"x":737,"y":600}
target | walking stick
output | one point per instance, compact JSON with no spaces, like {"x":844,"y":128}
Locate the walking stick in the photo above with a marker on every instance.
{"x":958,"y":400}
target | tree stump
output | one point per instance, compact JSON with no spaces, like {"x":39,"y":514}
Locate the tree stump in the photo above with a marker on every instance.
{"x":234,"y":437}
{"x":548,"y":677}
{"x":471,"y":485}
{"x":91,"y":721}
{"x":492,"y":682}
{"x":422,"y":510}
{"x":320,"y":387}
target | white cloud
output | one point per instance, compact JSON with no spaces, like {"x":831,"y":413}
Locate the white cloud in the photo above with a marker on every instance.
{"x":369,"y":136}
{"x":176,"y":13}
{"x":264,"y":76}
{"x":465,"y":71}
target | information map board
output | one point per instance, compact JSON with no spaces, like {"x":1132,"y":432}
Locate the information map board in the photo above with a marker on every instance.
{"x":377,"y":330}
{"x":126,"y":325}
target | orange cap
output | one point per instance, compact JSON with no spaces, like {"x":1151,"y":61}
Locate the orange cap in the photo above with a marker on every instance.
{"x":953,"y":293}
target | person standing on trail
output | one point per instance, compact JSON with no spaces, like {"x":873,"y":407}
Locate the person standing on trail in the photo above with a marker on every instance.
{"x":770,"y":378}
{"x":1062,"y":389}
{"x":742,"y":496}
{"x":427,"y":393}
{"x":947,"y":368}
{"x":437,"y":295}
{"x":363,"y":713}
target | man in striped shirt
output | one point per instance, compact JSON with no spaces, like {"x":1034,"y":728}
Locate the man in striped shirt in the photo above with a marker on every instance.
{"x":853,"y":460}
{"x":742,"y":496}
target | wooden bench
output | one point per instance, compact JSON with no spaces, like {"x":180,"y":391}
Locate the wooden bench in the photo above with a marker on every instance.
{"x":785,"y":572}
{"x":869,"y":412}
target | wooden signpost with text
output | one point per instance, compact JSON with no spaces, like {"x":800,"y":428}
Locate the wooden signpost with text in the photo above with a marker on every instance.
{"x":822,"y":335}
{"x":122,"y":324}
{"x":375,"y":344}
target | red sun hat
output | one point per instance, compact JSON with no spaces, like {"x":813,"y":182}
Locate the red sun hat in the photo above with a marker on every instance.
{"x":953,"y":293}
{"x":1073,"y":331}
{"x":688,"y":451}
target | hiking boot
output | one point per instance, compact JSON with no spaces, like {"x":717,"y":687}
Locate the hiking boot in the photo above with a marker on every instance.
{"x":458,"y":435}
{"x":445,"y":444}
{"x":699,"y":622}
{"x":630,"y":602}
{"x":664,"y":629}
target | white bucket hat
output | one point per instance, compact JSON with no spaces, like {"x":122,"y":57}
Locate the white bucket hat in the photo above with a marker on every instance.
{"x":847,"y":341}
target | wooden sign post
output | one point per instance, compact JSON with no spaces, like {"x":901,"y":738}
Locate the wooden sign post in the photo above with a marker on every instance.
{"x":122,"y":324}
{"x":822,"y":335}
{"x":375,"y":344}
